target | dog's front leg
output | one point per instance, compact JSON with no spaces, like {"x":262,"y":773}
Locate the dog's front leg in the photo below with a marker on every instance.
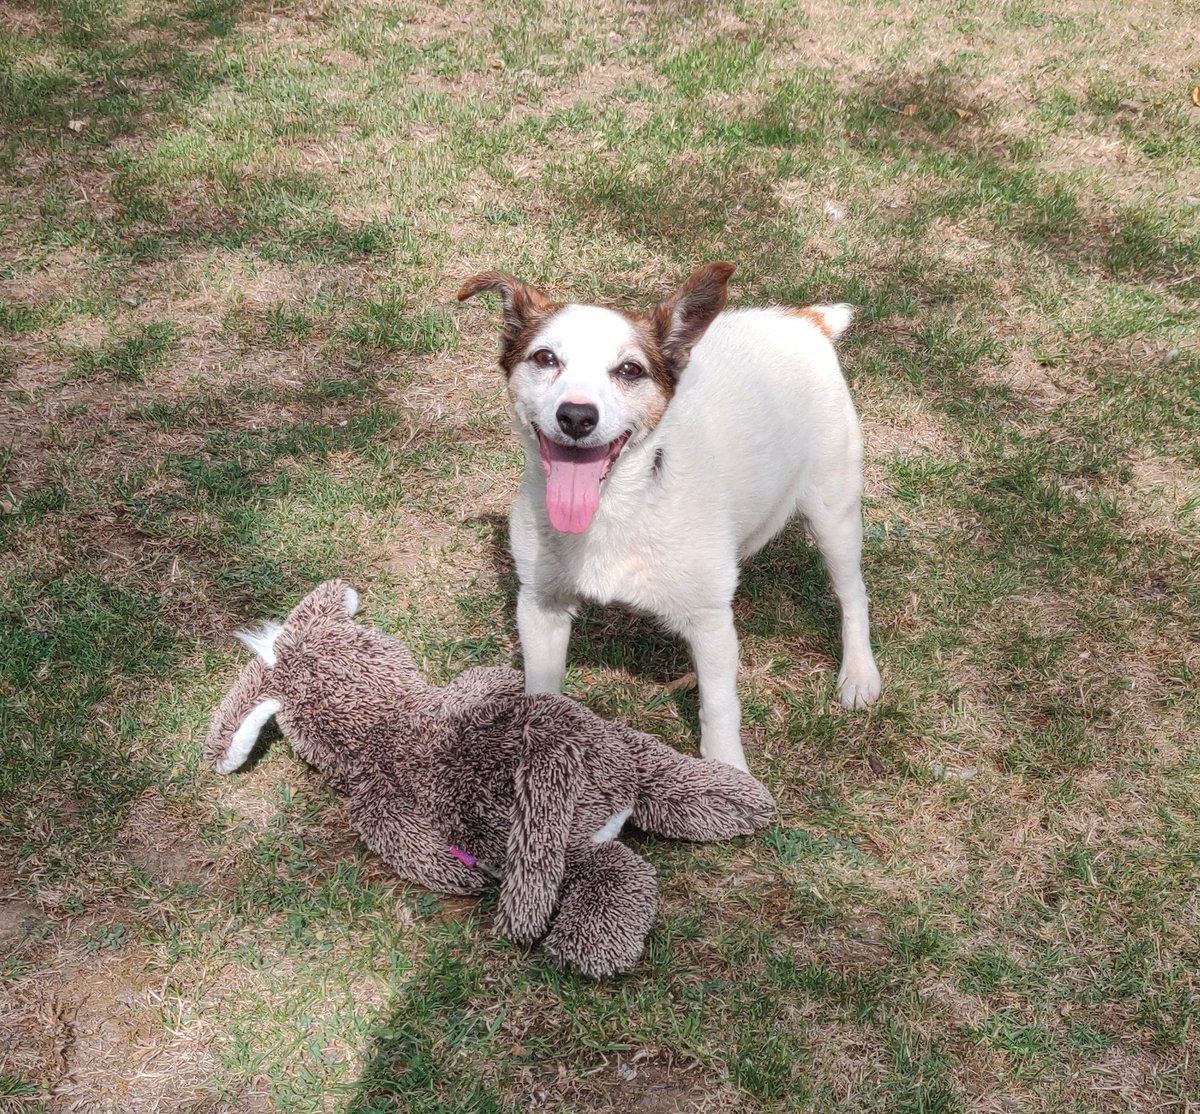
{"x":714,"y":647}
{"x":545,"y":630}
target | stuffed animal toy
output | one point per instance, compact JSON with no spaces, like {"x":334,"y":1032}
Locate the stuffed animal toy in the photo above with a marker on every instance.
{"x":457,"y":787}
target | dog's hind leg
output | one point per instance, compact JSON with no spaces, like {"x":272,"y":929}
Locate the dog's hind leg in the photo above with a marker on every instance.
{"x":837,"y":530}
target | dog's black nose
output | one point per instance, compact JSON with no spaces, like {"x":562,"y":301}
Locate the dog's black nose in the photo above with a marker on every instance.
{"x":577,"y":419}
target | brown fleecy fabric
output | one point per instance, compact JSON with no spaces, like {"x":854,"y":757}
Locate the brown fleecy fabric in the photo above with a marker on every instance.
{"x":529,"y":789}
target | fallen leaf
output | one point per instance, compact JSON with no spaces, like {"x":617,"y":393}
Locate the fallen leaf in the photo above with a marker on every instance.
{"x":908,"y":110}
{"x":1196,"y":95}
{"x":964,"y":114}
{"x":77,"y":125}
{"x":687,"y":681}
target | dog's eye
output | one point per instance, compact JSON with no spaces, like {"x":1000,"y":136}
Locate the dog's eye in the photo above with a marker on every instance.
{"x":629,"y":370}
{"x":543,"y":357}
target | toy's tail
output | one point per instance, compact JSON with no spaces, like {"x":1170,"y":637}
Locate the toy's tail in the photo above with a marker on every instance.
{"x":239,"y":720}
{"x":697,"y":798}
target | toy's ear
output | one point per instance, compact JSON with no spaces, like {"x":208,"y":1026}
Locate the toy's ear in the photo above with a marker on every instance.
{"x":239,"y":720}
{"x":334,"y":598}
{"x":261,"y":642}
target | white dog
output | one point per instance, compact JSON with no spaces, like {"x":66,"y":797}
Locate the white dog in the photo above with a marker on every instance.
{"x":664,"y":449}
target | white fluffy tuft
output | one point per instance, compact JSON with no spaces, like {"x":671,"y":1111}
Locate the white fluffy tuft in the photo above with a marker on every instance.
{"x":262,"y":641}
{"x":612,"y":827}
{"x":837,"y":318}
{"x":351,"y":601}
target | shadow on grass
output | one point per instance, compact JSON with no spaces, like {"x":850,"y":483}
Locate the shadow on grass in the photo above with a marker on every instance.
{"x":84,"y":94}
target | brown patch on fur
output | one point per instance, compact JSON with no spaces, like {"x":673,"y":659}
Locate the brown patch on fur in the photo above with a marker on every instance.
{"x":654,"y":413}
{"x":813,"y":316}
{"x":526,"y":311}
{"x":667,"y":333}
{"x":662,"y":372}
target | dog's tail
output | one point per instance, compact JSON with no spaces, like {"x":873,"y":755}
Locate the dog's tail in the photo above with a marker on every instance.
{"x":833,"y":320}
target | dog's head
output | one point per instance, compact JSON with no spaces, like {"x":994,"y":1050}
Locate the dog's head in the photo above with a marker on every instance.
{"x":586,"y":381}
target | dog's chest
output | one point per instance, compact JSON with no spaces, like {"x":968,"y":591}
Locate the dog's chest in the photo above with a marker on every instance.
{"x":617,"y":566}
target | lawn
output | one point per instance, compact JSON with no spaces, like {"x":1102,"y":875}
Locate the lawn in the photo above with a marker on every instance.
{"x":232,"y":365}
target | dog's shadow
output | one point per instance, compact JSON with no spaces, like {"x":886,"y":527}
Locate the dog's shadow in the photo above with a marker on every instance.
{"x":787,"y":577}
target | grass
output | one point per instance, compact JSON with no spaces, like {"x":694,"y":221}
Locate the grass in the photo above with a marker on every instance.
{"x":232,"y":365}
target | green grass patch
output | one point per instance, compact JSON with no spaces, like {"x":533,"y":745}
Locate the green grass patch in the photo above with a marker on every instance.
{"x":128,"y":359}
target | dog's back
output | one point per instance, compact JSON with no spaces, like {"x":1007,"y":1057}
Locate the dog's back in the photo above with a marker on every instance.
{"x":761,"y":410}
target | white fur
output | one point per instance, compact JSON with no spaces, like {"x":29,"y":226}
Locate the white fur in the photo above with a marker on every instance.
{"x":261,"y":642}
{"x":247,"y":735}
{"x":761,"y":429}
{"x":612,"y":827}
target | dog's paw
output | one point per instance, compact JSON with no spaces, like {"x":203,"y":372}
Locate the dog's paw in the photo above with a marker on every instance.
{"x":859,"y":688}
{"x":727,"y":753}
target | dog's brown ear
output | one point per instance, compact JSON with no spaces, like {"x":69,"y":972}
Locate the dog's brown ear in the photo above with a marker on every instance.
{"x":520,"y":300}
{"x":681,"y":320}
{"x":525,"y":307}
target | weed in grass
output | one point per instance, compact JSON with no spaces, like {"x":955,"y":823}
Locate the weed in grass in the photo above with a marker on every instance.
{"x":388,"y":325}
{"x":716,"y":65}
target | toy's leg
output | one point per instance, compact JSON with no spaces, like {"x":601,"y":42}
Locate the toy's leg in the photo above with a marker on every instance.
{"x":693,"y":798}
{"x":605,"y":911}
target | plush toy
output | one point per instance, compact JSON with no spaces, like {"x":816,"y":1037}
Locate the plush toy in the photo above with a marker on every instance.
{"x":457,"y":787}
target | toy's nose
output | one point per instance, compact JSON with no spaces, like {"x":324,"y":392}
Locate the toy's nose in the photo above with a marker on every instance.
{"x":577,"y":419}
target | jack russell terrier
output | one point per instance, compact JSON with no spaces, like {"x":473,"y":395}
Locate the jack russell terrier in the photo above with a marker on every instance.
{"x":662,"y":451}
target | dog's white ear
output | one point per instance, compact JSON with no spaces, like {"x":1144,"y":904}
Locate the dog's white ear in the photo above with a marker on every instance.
{"x":681,"y":320}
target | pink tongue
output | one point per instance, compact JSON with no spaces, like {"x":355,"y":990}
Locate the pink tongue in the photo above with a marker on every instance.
{"x":573,"y":484}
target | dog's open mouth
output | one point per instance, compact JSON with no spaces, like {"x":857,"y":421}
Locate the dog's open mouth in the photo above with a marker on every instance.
{"x":573,"y":478}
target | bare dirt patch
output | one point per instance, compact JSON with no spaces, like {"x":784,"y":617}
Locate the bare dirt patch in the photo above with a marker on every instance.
{"x":162,"y":845}
{"x":647,"y":1082}
{"x":90,"y":1027}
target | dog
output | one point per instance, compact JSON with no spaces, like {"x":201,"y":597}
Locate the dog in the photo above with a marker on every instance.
{"x":664,"y":449}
